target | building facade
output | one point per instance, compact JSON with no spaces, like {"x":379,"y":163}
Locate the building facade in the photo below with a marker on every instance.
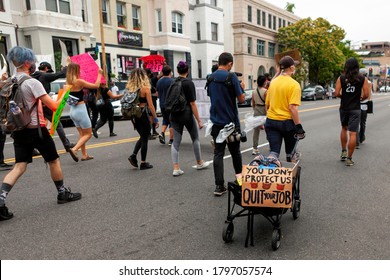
{"x":250,"y":34}
{"x":40,"y":25}
{"x":7,"y":29}
{"x":125,"y":34}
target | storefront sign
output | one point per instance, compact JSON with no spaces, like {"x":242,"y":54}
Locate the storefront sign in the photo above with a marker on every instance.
{"x":128,"y":38}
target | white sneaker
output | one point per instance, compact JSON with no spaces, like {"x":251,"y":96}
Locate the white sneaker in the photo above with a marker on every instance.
{"x":255,"y":152}
{"x":204,"y":165}
{"x":177,"y":172}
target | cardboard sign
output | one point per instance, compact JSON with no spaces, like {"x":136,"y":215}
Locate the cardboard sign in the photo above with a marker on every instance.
{"x":267,"y":187}
{"x":293,"y":53}
{"x":88,"y":67}
{"x":57,"y":114}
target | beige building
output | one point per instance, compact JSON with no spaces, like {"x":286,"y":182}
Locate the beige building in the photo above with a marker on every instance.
{"x":126,"y":34}
{"x":251,"y":36}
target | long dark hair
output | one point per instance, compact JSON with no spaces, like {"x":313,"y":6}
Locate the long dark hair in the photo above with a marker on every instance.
{"x":351,"y":70}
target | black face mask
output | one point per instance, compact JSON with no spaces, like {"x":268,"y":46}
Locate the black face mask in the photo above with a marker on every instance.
{"x":32,"y":69}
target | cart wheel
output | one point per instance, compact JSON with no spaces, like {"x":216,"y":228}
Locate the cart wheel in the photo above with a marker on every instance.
{"x":296,"y":208}
{"x":227,"y":233}
{"x":276,"y":236}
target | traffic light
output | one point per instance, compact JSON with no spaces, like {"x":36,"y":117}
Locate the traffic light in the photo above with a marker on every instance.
{"x":370,"y":72}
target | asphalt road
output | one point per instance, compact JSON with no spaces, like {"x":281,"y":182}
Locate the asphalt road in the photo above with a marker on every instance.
{"x":132,"y":214}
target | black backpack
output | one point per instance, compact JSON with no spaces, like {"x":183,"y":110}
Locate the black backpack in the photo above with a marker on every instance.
{"x":175,"y":100}
{"x":11,"y":91}
{"x":130,"y":105}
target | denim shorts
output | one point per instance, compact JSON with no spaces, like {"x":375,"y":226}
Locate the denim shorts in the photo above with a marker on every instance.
{"x":350,"y":119}
{"x":79,"y":116}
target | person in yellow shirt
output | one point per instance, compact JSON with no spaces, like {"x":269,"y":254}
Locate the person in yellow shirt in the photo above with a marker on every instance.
{"x":283,"y":99}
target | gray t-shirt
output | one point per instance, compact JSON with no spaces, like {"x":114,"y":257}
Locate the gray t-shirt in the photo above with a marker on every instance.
{"x":32,"y":90}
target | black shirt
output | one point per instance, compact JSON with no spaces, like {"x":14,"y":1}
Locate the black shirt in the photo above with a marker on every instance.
{"x":350,"y":98}
{"x":47,"y":78}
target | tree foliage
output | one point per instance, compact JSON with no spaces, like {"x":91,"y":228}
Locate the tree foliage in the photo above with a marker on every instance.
{"x":290,"y":7}
{"x":320,"y":45}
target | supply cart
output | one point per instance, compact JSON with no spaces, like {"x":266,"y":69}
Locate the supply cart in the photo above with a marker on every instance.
{"x":270,"y":192}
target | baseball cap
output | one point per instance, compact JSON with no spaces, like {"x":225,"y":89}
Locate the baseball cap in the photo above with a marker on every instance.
{"x":286,"y":62}
{"x":44,"y":65}
{"x":363,"y":71}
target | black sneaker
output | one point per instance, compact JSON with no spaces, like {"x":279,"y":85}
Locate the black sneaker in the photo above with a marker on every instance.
{"x":5,"y":166}
{"x":95,"y":134}
{"x":133,"y":160}
{"x":145,"y":165}
{"x":67,"y":196}
{"x":113,"y":134}
{"x":161,"y":137}
{"x":5,"y":214}
{"x":219,"y":190}
{"x":170,"y":142}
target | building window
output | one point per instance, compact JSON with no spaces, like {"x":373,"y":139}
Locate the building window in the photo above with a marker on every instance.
{"x":105,"y":11}
{"x":200,"y":69}
{"x":249,"y":45}
{"x":214,"y":31}
{"x":28,"y":42}
{"x":250,"y":13}
{"x":258,"y":17}
{"x":159,"y":21}
{"x":269,"y":21}
{"x":213,"y":3}
{"x":84,"y":11}
{"x":280,"y":23}
{"x":284,"y":23}
{"x":28,"y":5}
{"x":271,"y":50}
{"x":177,"y":23}
{"x":198,"y":30}
{"x":136,"y":17}
{"x":121,"y":14}
{"x":260,"y":47}
{"x":274,"y":22}
{"x":197,"y":2}
{"x":57,"y":5}
{"x":263,"y":19}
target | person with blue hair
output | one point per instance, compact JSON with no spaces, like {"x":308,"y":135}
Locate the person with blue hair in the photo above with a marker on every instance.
{"x":27,"y":139}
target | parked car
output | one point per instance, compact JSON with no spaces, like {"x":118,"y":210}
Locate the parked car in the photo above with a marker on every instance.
{"x":54,"y":88}
{"x":313,"y":93}
{"x":248,"y":99}
{"x":384,"y":89}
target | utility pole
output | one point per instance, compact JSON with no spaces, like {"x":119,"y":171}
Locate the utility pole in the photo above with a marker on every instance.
{"x":104,"y":66}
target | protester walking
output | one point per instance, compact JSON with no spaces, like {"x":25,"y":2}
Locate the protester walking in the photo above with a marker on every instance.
{"x":35,"y":135}
{"x":223,"y":111}
{"x":162,"y":87}
{"x":139,"y":82}
{"x":282,"y":102}
{"x":46,"y":75}
{"x":258,"y":105}
{"x":153,"y":82}
{"x":106,"y":110}
{"x":351,"y":87}
{"x":78,"y":110}
{"x":188,"y":118}
{"x":361,"y":133}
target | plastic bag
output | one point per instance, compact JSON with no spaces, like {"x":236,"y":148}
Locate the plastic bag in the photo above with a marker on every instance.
{"x":225,"y":132}
{"x":251,"y":122}
{"x":208,"y":126}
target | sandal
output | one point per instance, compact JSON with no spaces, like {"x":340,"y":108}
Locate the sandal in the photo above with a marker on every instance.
{"x":73,"y":155}
{"x":87,"y":158}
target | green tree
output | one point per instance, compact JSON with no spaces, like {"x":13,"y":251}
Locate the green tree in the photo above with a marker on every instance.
{"x":320,"y":45}
{"x":290,"y":7}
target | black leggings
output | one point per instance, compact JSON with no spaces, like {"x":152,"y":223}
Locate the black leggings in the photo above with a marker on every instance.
{"x":142,"y":125}
{"x":106,"y":114}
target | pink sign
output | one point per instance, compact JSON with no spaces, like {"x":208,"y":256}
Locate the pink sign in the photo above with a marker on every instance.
{"x":88,"y":67}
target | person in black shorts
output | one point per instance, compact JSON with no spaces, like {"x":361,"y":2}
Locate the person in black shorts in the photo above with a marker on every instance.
{"x":349,"y":88}
{"x":27,"y":139}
